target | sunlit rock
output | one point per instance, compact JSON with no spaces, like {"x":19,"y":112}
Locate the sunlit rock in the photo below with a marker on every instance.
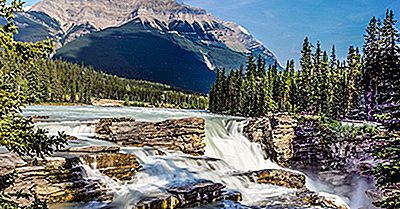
{"x":185,"y":135}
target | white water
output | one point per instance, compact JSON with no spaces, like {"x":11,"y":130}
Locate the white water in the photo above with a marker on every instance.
{"x":227,"y":151}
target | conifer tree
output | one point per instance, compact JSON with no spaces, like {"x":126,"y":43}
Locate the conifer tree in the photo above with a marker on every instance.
{"x":325,"y":85}
{"x":250,"y":99}
{"x":305,"y":80}
{"x":261,"y":94}
{"x":335,"y":78}
{"x":372,"y":67}
{"x":293,"y":87}
{"x":389,"y":55}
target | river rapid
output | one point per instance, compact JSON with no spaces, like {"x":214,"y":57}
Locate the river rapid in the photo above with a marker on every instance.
{"x":227,"y":151}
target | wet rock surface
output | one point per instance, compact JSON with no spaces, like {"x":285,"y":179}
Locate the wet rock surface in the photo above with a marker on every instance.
{"x":58,"y":180}
{"x":344,"y":164}
{"x":189,"y":194}
{"x":277,"y":177}
{"x":302,"y":200}
{"x":92,"y":149}
{"x":275,"y":134}
{"x":66,"y":179}
{"x":185,"y":135}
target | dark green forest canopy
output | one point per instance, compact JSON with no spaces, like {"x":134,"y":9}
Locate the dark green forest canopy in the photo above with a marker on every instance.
{"x":366,"y":85}
{"x":59,"y":81}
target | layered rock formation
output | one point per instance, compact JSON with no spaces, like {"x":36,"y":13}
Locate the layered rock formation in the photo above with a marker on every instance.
{"x":185,"y":135}
{"x":316,"y":148}
{"x":338,"y":155}
{"x":277,"y":177}
{"x":275,"y":134}
{"x":66,"y":179}
{"x":190,"y":194}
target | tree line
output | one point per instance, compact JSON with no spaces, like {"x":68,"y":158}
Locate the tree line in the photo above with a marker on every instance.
{"x":59,"y":81}
{"x":362,"y":86}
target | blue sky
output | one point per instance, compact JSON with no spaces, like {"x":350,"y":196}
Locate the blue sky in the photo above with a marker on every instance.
{"x":282,"y":24}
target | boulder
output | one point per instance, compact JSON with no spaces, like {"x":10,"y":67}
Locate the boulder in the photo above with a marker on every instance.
{"x":194,"y":194}
{"x":187,"y":194}
{"x":58,"y":180}
{"x":277,"y":177}
{"x":158,"y":201}
{"x":303,"y":199}
{"x":114,"y":165}
{"x":66,"y":179}
{"x":185,"y":135}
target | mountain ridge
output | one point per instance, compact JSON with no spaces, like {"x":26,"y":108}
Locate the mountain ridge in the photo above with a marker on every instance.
{"x":203,"y":38}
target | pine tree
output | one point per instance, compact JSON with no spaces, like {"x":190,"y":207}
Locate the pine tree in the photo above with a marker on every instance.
{"x":293,"y":88}
{"x":325,"y":85}
{"x":372,"y":67}
{"x":335,"y":78}
{"x":315,"y":97}
{"x":250,"y":101}
{"x":390,"y":84}
{"x":261,"y":107}
{"x":305,"y":80}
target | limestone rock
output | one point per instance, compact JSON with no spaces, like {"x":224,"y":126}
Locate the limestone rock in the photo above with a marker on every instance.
{"x":303,"y":200}
{"x":158,"y":201}
{"x":114,"y":165}
{"x":197,"y":193}
{"x":58,"y":180}
{"x":277,"y":177}
{"x":65,"y":179}
{"x":188,"y":194}
{"x":184,"y":135}
{"x":92,"y":149}
{"x":275,"y":134}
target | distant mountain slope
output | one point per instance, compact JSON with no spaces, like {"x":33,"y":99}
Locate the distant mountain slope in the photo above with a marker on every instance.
{"x":135,"y":52}
{"x":83,"y":27}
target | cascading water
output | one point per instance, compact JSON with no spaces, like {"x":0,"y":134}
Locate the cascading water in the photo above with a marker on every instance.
{"x":227,"y":151}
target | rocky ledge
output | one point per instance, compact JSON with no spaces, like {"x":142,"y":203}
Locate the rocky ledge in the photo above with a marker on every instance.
{"x":186,"y":195}
{"x":277,"y":177}
{"x":275,"y":133}
{"x":185,"y":135}
{"x":67,"y":178}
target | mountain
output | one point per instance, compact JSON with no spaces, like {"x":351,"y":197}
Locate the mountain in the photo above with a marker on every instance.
{"x":157,"y":40}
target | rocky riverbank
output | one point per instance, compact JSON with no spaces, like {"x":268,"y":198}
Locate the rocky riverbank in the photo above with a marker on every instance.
{"x":338,"y":155}
{"x":96,"y":173}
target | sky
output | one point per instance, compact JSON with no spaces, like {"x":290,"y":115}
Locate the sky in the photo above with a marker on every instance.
{"x":282,"y":25}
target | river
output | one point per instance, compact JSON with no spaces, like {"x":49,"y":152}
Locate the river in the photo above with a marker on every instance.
{"x":227,"y":151}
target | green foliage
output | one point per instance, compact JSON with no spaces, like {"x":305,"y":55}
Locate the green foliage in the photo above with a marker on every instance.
{"x":18,"y":134}
{"x":60,"y":82}
{"x":353,"y":88}
{"x":387,"y":173}
{"x":329,"y":130}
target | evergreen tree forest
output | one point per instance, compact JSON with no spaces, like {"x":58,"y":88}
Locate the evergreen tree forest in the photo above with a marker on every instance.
{"x":62,"y":82}
{"x":364,"y":85}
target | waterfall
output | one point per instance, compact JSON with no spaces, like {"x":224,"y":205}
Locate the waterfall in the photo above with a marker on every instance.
{"x":227,"y":151}
{"x":226,"y":141}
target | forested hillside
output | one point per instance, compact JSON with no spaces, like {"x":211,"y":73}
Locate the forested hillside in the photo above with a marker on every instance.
{"x":361,"y":87}
{"x":58,"y":81}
